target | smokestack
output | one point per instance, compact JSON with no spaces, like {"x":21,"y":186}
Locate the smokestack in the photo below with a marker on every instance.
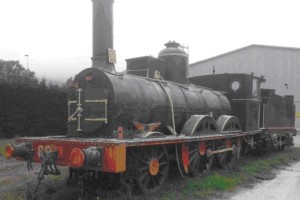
{"x":103,"y":52}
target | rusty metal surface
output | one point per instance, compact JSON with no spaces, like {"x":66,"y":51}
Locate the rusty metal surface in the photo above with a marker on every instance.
{"x":65,"y":145}
{"x":279,"y":111}
{"x":282,"y":130}
{"x":176,"y":62}
{"x":102,"y":34}
{"x":135,"y":141}
{"x":132,"y":98}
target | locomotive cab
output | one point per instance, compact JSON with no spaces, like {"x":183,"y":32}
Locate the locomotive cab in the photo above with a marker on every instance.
{"x":244,"y":93}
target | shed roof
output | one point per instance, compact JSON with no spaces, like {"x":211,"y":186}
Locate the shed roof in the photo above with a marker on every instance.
{"x":243,"y":48}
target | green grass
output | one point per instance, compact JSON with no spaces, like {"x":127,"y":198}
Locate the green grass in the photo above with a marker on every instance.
{"x":5,"y":182}
{"x":246,"y":169}
{"x":11,"y":196}
{"x":169,"y":196}
{"x":262,"y":165}
{"x":15,"y":194}
{"x":219,"y":182}
{"x":208,"y":184}
{"x":228,"y":180}
{"x":2,"y":151}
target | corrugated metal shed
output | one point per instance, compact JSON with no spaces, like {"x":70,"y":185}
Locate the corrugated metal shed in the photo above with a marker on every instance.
{"x":279,"y":65}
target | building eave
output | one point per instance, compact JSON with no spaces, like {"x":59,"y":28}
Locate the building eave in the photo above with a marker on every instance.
{"x":241,"y":49}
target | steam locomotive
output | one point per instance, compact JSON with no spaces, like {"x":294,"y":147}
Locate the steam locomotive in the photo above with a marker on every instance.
{"x":135,"y":123}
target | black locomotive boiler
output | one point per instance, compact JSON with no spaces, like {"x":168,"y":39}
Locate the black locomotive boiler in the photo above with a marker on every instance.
{"x":135,"y":124}
{"x":109,"y":100}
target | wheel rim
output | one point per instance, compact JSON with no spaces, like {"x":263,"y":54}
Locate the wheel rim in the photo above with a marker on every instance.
{"x":196,"y":160}
{"x":128,"y":178}
{"x":222,"y":157}
{"x":238,"y":147}
{"x":210,"y":158}
{"x":200,"y":124}
{"x":234,"y":155}
{"x":192,"y":158}
{"x":153,"y":168}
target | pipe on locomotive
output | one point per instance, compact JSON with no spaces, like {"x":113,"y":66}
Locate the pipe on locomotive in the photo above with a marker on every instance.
{"x":103,"y":53}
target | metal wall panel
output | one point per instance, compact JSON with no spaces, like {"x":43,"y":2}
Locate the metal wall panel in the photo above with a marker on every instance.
{"x":279,"y":65}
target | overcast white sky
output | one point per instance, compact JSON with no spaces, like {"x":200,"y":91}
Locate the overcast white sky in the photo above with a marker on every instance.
{"x":57,"y":34}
